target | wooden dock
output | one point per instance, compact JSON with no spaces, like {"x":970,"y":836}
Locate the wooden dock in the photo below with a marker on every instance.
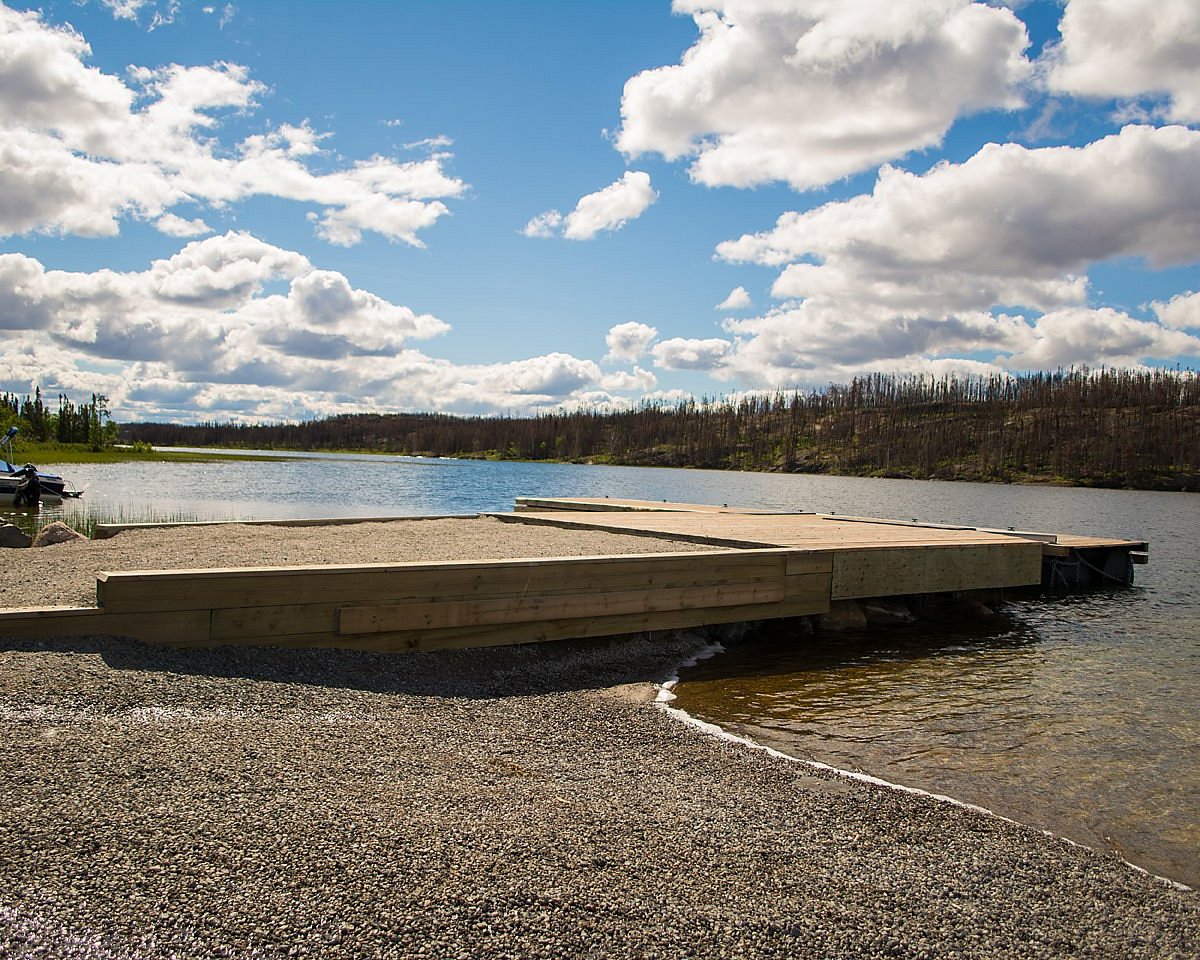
{"x":762,"y":565}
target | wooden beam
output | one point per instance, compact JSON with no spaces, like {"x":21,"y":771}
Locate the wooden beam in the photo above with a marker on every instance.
{"x":270,"y":586}
{"x":935,"y":568}
{"x":186,"y":627}
{"x":544,"y":630}
{"x":46,"y":621}
{"x":809,"y":561}
{"x":415,"y":616}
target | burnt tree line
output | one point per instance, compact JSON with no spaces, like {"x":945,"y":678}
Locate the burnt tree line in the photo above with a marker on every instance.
{"x":1127,"y":428}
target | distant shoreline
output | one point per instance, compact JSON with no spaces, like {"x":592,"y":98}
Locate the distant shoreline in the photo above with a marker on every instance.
{"x":1116,"y":429}
{"x":1183,"y":484}
{"x":56,"y":453}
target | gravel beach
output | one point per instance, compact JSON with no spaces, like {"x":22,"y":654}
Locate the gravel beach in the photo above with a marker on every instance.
{"x":65,"y":574}
{"x":515,"y":802}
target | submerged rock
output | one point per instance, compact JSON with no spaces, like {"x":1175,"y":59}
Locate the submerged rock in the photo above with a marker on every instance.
{"x":975,"y":609}
{"x":13,"y":536}
{"x":56,"y":532}
{"x":843,"y":615}
{"x":886,"y":613}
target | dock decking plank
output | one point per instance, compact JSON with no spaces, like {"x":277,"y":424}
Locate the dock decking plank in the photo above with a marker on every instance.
{"x":763,"y":565}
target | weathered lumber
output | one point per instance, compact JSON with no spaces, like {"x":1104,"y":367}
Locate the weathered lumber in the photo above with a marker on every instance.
{"x":255,"y":586}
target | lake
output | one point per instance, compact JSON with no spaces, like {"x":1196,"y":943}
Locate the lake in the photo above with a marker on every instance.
{"x":1079,"y":715}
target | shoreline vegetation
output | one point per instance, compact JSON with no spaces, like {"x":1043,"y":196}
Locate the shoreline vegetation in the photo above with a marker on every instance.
{"x":1130,"y":429}
{"x":1133,"y":429}
{"x":70,"y":433}
{"x":59,"y":453}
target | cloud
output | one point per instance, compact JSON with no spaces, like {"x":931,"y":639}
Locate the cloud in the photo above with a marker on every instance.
{"x":638,"y":379}
{"x":82,"y":150}
{"x":819,"y":342}
{"x":628,"y":341}
{"x":1010,"y":226}
{"x":955,"y":265}
{"x":1133,"y":49}
{"x":233,"y":327}
{"x":125,"y":9}
{"x":681,"y":353}
{"x":820,"y":338}
{"x":175,"y":226}
{"x":607,"y":209}
{"x":216,"y":273}
{"x":1181,"y":312}
{"x":610,"y":208}
{"x":429,"y":143}
{"x":164,"y":12}
{"x":203,"y":309}
{"x":22,"y":305}
{"x":542,"y":378}
{"x":738,"y":299}
{"x":811,"y":91}
{"x":1096,"y":337}
{"x":544,"y":225}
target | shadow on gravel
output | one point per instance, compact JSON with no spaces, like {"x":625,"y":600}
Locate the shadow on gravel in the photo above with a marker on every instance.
{"x":486,"y":673}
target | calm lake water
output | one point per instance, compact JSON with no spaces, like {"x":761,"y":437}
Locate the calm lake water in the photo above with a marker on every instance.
{"x":1079,"y":715}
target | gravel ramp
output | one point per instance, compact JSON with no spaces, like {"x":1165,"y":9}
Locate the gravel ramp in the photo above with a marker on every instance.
{"x":516,"y":802}
{"x":65,"y":574}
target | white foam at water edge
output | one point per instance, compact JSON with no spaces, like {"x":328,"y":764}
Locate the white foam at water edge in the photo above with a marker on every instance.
{"x":666,"y":687}
{"x":666,"y":695}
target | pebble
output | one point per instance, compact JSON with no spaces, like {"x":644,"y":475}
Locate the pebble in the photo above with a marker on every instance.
{"x":517,"y":802}
{"x":65,"y":574}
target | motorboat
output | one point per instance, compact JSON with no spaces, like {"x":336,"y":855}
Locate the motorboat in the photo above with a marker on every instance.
{"x":54,"y":488}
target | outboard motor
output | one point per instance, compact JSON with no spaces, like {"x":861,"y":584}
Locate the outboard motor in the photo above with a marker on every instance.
{"x":29,"y":492}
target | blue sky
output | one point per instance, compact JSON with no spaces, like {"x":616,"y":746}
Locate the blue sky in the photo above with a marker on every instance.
{"x":270,"y":210}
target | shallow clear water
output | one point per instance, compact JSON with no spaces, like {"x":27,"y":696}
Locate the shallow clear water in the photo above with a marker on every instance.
{"x":1079,"y":715}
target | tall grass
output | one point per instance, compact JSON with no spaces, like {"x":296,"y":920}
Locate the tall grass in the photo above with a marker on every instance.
{"x":84,"y":518}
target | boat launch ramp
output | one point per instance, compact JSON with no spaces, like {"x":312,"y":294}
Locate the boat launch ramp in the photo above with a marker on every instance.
{"x":762,"y":565}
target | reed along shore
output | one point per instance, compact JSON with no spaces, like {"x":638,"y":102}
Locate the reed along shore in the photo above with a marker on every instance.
{"x":515,"y":802}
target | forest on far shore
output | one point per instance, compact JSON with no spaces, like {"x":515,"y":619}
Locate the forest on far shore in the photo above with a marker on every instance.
{"x":1111,"y":428}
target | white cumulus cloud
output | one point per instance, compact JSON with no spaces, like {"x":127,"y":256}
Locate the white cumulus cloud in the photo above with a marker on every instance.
{"x":1097,"y":337}
{"x":738,"y":299}
{"x":1181,"y":312}
{"x":175,"y":226}
{"x":82,"y":150}
{"x":1130,"y":49}
{"x":983,"y":262}
{"x":1010,"y":226}
{"x":608,"y":209}
{"x":684,"y":353}
{"x":544,"y":225}
{"x":628,"y":341}
{"x":233,"y":327}
{"x":637,"y":379}
{"x":811,"y":91}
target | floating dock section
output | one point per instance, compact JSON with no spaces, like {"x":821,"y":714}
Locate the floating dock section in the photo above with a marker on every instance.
{"x":762,"y":566}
